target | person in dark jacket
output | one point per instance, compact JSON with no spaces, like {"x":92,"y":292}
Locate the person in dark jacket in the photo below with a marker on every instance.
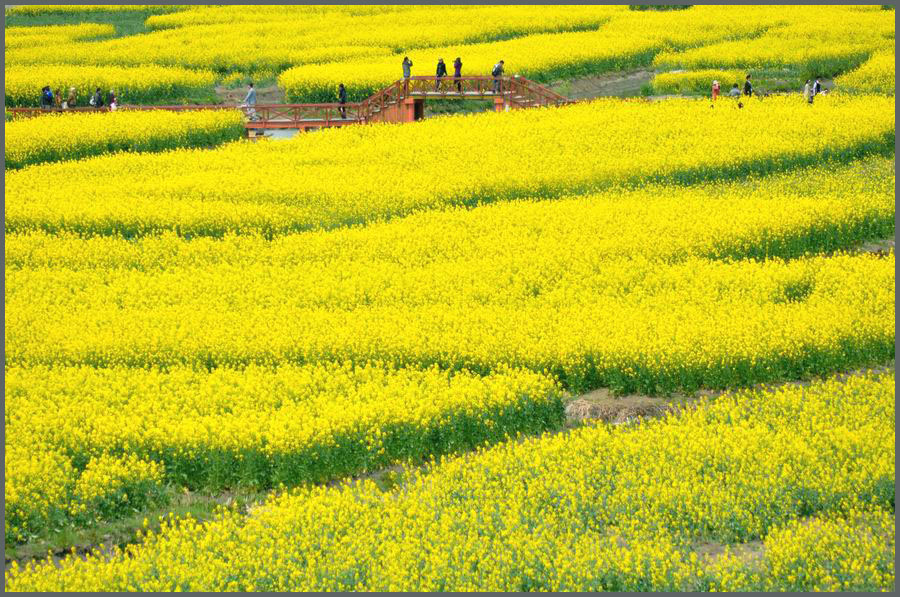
{"x":441,"y":73}
{"x":748,"y":88}
{"x":457,"y":73}
{"x":497,"y":72}
{"x":46,"y":98}
{"x":817,"y":87}
{"x":97,"y":99}
{"x":342,"y":99}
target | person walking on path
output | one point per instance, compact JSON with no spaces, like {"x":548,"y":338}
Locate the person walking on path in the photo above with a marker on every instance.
{"x":817,"y":87}
{"x":497,"y":72}
{"x":46,"y":98}
{"x":735,"y":92}
{"x":457,"y":73}
{"x":71,"y":100}
{"x":342,"y":99}
{"x":57,"y":100}
{"x":807,"y":91}
{"x":441,"y":73}
{"x":112,"y":101}
{"x":748,"y":88}
{"x":715,"y":90}
{"x":97,"y":99}
{"x":250,"y":102}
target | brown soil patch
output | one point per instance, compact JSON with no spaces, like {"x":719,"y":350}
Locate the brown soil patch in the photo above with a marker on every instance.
{"x":604,"y":406}
{"x":882,"y":248}
{"x":271,"y":94}
{"x":710,"y":552}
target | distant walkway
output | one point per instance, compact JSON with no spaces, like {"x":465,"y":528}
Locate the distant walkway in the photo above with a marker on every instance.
{"x":402,"y":101}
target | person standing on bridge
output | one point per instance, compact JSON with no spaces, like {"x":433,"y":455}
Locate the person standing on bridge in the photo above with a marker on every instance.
{"x":497,"y":72}
{"x":250,"y":102}
{"x":457,"y":73}
{"x":441,"y":73}
{"x":342,"y":99}
{"x":407,"y":72}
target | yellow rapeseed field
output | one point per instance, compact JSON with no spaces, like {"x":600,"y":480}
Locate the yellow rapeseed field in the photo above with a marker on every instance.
{"x":53,"y":35}
{"x":595,"y":509}
{"x":361,"y":174}
{"x":145,"y":84}
{"x":258,"y":427}
{"x":876,"y":75}
{"x":76,"y":135}
{"x":379,"y":331}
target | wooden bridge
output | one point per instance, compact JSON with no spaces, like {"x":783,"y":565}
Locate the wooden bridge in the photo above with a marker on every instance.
{"x":402,"y":101}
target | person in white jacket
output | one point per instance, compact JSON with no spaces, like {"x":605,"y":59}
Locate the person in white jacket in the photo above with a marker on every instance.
{"x":806,"y":91}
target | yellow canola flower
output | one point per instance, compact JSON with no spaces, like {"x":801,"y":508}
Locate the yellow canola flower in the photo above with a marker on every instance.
{"x":72,"y":136}
{"x":36,"y":36}
{"x":629,"y":323}
{"x":68,"y":9}
{"x":876,"y":75}
{"x":133,"y":85}
{"x":766,"y":216}
{"x":628,"y":40}
{"x":365,"y":173}
{"x":261,"y":426}
{"x":46,"y":488}
{"x":808,"y":41}
{"x":276,"y":38}
{"x":807,"y":470}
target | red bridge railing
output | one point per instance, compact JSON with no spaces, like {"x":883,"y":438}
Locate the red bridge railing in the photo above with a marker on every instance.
{"x":518,"y":92}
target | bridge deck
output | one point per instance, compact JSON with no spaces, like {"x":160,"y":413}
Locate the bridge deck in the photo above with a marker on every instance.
{"x":385,"y":105}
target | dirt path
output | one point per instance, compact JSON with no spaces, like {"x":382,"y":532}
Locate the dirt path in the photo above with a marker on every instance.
{"x":618,"y":84}
{"x":270,"y":94}
{"x":602,"y":405}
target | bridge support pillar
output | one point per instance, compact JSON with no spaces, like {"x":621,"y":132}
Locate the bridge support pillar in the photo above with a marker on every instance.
{"x":413,"y":109}
{"x":409,"y":110}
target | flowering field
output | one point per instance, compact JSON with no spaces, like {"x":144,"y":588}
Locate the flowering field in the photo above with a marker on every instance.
{"x":876,"y":75}
{"x":598,"y":508}
{"x":133,"y":85}
{"x":74,"y":136}
{"x":362,"y":174}
{"x":380,"y":333}
{"x":311,"y":49}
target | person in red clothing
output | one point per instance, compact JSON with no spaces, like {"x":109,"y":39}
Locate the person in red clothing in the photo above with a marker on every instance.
{"x":715,"y":90}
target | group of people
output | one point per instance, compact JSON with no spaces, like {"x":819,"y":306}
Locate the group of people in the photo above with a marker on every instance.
{"x":735,"y":90}
{"x":53,"y":100}
{"x":809,"y":91}
{"x":496,"y":72}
